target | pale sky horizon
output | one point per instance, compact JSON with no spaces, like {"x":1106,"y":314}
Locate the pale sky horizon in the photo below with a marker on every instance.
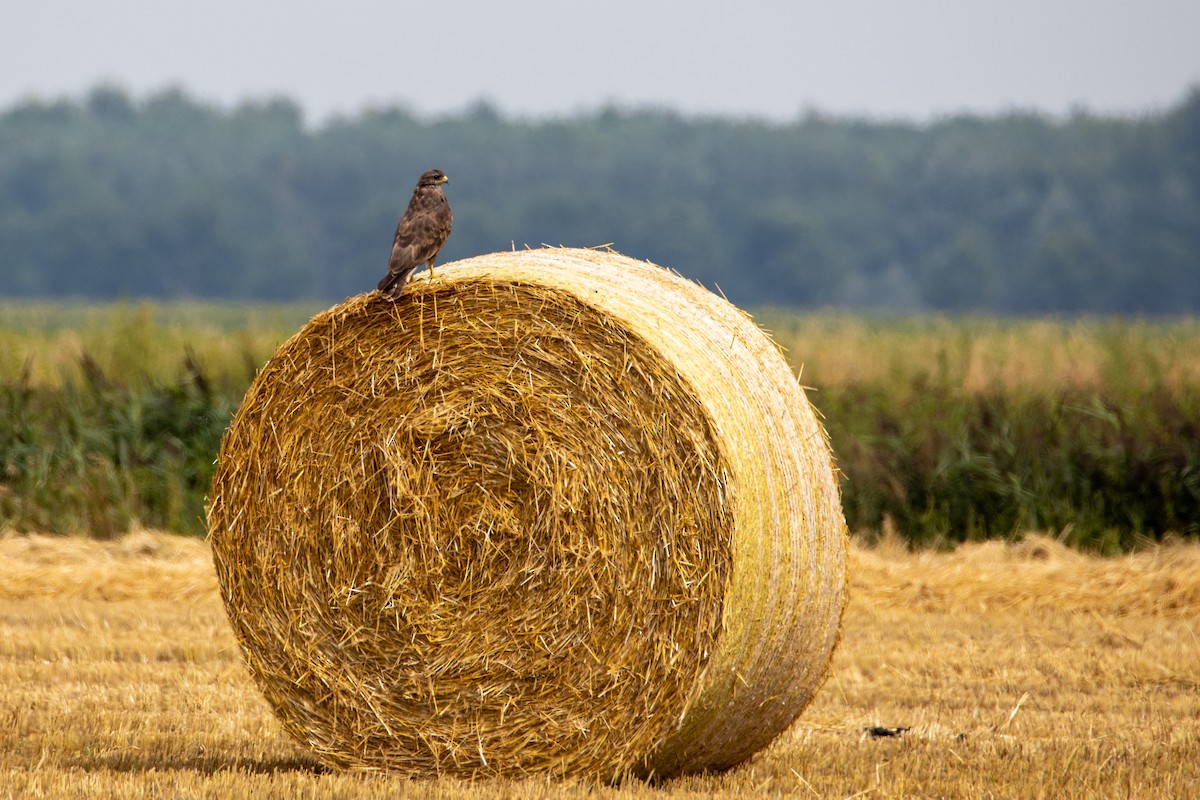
{"x":917,"y":60}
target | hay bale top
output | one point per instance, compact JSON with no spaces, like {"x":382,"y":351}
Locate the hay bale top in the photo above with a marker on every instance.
{"x":556,"y":510}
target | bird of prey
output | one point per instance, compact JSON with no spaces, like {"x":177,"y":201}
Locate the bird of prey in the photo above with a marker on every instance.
{"x":421,"y":233}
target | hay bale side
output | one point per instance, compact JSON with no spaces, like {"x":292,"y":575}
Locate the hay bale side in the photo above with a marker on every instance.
{"x":556,"y":511}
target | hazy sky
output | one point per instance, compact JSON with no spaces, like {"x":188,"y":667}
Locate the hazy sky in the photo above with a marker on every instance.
{"x":771,"y":58}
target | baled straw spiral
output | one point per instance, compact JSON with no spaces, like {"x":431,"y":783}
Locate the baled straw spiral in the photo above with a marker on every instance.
{"x":555,"y":511}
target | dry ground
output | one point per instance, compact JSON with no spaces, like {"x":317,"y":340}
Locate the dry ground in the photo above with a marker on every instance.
{"x":1021,"y":670}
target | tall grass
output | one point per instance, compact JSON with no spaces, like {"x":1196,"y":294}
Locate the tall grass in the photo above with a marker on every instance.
{"x":945,"y":429}
{"x":1125,"y":358}
{"x":46,"y":343}
{"x":98,"y":456}
{"x":969,"y":429}
{"x":111,"y":416}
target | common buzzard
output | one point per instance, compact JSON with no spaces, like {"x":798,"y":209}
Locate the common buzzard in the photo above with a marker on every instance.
{"x":421,"y":233}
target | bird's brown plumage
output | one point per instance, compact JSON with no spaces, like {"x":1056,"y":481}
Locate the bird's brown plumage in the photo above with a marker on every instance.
{"x":421,"y":233}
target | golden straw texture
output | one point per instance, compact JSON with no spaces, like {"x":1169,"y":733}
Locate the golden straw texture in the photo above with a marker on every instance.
{"x":555,"y":511}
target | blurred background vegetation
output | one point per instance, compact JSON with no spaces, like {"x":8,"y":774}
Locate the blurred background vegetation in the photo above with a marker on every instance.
{"x":1016,"y":346}
{"x":944,"y":429}
{"x":168,"y":197}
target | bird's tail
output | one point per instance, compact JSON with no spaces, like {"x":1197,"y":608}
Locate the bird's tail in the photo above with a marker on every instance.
{"x":392,"y":284}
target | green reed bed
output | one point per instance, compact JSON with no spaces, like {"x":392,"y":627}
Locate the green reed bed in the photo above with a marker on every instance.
{"x":111,"y":415}
{"x":953,"y":429}
{"x":943,"y":465}
{"x":945,"y":429}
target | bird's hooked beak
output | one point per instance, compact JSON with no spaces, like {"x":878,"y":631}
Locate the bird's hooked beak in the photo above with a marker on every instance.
{"x":444,"y":179}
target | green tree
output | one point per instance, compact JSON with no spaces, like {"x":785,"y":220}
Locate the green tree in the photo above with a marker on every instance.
{"x":167,"y":197}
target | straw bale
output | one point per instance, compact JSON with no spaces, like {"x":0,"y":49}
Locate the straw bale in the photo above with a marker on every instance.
{"x":555,"y":511}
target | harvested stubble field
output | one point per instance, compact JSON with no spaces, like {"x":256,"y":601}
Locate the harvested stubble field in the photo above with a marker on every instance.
{"x":1021,"y":669}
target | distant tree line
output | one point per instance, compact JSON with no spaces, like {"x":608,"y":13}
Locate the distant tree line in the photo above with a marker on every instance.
{"x":167,"y":196}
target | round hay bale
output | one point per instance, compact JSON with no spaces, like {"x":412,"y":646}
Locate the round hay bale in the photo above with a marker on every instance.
{"x":555,"y":511}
